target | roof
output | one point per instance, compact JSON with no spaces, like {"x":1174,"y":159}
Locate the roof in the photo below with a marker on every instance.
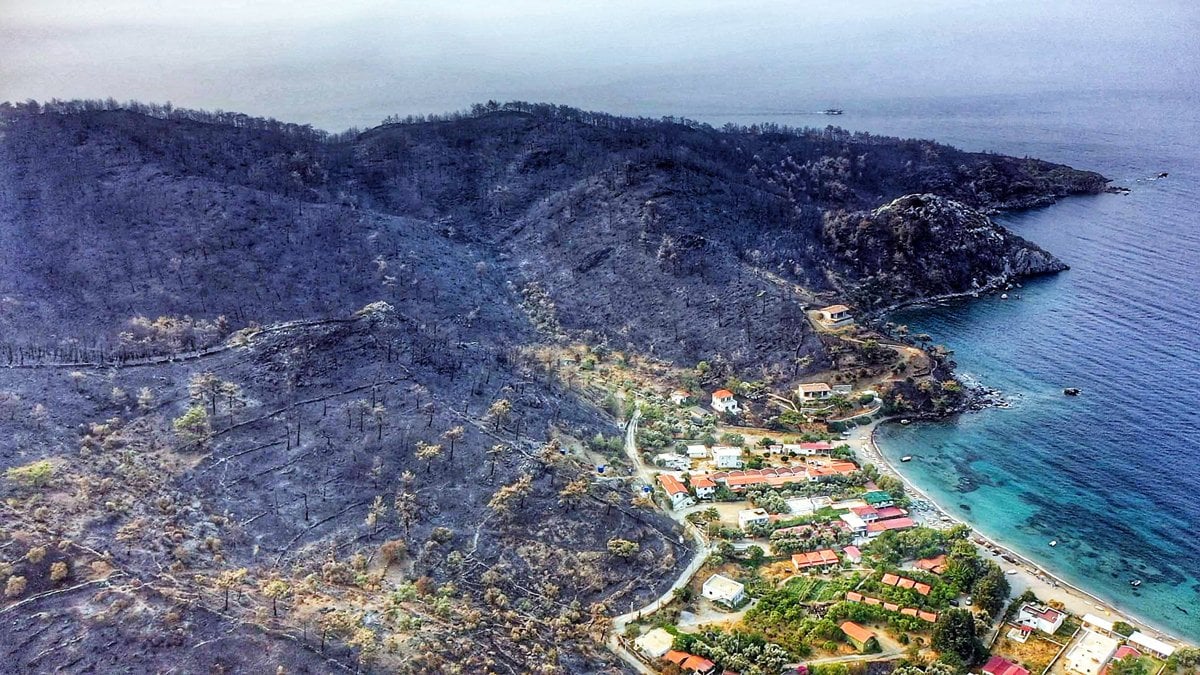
{"x":815,"y":386}
{"x":723,"y":586}
{"x":671,"y":484}
{"x":999,"y":666}
{"x":726,"y":450}
{"x":856,"y":632}
{"x":890,"y":579}
{"x":825,"y":556}
{"x":877,"y":496}
{"x":852,"y":552}
{"x":921,"y":588}
{"x":935,"y":564}
{"x":893,"y":524}
{"x":722,"y":393}
{"x":703,"y":482}
{"x":1098,"y":622}
{"x":655,"y":642}
{"x":688,"y":661}
{"x":909,"y":611}
{"x":819,"y":445}
{"x":1151,"y":643}
{"x":890,"y":512}
{"x":854,"y":597}
{"x":927,"y":616}
{"x":835,"y":308}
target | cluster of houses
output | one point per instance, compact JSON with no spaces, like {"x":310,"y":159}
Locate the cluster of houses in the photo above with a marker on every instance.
{"x":1097,"y":643}
{"x":879,"y":515}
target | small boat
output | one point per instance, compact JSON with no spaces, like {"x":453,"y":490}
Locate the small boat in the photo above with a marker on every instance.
{"x":906,"y":422}
{"x":1164,"y":174}
{"x":832,"y":111}
{"x":1135,"y":583}
{"x":1004,"y":296}
{"x":1072,"y":391}
{"x":906,"y":458}
{"x":1011,"y":572}
{"x":1054,"y":543}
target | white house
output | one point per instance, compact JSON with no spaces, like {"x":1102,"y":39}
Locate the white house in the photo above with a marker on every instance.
{"x":835,"y":315}
{"x":1044,"y":619}
{"x":672,"y":461}
{"x":727,"y":457}
{"x":676,"y":492}
{"x":697,"y":452}
{"x":679,"y":397}
{"x":748,"y":517}
{"x":814,"y":391}
{"x":722,"y":589}
{"x":1153,"y":645}
{"x":655,"y":643}
{"x":1090,"y":653}
{"x":724,"y":402}
{"x":704,"y":486}
{"x":854,"y":523}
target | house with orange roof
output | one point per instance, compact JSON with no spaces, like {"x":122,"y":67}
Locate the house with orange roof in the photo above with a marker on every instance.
{"x":676,"y":492}
{"x":863,"y":638}
{"x":879,"y":527}
{"x":853,"y":554}
{"x":1000,"y":666}
{"x":679,"y":397}
{"x":690,"y":663}
{"x":935,"y":565}
{"x":814,"y":391}
{"x":823,"y":558}
{"x":724,"y":402}
{"x":704,"y":486}
{"x":931,"y":617}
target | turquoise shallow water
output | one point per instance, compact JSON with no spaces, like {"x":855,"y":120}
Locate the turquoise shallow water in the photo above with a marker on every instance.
{"x":1112,"y":475}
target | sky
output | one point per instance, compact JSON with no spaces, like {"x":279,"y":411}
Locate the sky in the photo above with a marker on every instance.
{"x":352,"y":62}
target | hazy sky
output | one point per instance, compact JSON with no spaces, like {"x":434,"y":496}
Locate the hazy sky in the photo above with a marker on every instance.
{"x":337,"y":63}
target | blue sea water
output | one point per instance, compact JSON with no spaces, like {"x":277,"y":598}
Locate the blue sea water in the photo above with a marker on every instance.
{"x":1112,"y":475}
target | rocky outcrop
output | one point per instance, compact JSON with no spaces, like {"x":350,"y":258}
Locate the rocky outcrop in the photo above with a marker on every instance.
{"x":924,"y":245}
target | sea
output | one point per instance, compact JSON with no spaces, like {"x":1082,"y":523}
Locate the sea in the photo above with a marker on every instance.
{"x":1112,"y":475}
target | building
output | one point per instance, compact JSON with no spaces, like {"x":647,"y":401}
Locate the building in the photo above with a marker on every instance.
{"x":722,"y":589}
{"x":999,"y":666}
{"x":880,"y":526}
{"x":879,"y":499}
{"x":852,"y":554}
{"x":860,"y":636}
{"x":1099,"y":624}
{"x":749,"y":517}
{"x":823,"y":558}
{"x":724,"y":402}
{"x":853,"y":523}
{"x":890,"y":579}
{"x":1123,"y":652}
{"x":814,"y":391}
{"x":704,"y":486}
{"x":835,"y":316}
{"x":690,"y":663}
{"x":935,"y":565}
{"x":727,"y":457}
{"x":697,"y":452}
{"x":1041,"y":618}
{"x":808,"y":449}
{"x":1152,"y":645}
{"x":676,"y":492}
{"x":655,"y":643}
{"x":1090,"y":653}
{"x":672,"y":461}
{"x":679,"y":397}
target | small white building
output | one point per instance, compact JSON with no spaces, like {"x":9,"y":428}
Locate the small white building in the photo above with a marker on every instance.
{"x":704,"y":487}
{"x":1040,"y":618}
{"x":1152,"y":644}
{"x":854,"y":523}
{"x":724,"y":402}
{"x":748,"y":517}
{"x":1090,"y":653}
{"x":719,"y":588}
{"x":676,"y":492}
{"x":835,"y":315}
{"x":814,"y":391}
{"x":655,"y":643}
{"x":679,"y":397}
{"x":1098,"y":623}
{"x":727,"y":457}
{"x":670,"y":460}
{"x":697,"y":452}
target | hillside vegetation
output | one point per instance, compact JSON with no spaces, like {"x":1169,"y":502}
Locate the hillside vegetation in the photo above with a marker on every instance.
{"x":278,"y":388}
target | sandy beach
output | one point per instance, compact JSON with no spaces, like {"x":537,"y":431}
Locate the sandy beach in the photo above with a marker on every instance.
{"x":1029,"y":575}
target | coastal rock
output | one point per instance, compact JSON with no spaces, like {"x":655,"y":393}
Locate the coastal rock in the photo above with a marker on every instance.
{"x":924,"y":246}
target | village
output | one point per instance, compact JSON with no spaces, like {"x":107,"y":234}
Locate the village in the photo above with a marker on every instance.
{"x":814,"y":561}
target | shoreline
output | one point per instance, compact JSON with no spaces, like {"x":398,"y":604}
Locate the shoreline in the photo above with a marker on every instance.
{"x":1031,"y":575}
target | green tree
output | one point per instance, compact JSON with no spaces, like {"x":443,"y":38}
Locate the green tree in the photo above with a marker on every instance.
{"x":192,"y":426}
{"x":1123,"y":628}
{"x":1130,"y":665}
{"x":35,"y":474}
{"x":623,"y":548}
{"x":954,"y":632}
{"x":276,"y":589}
{"x":991,"y":590}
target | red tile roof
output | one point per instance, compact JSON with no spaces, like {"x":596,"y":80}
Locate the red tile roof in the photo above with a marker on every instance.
{"x":825,"y":556}
{"x":852,"y":553}
{"x":891,"y":607}
{"x":890,"y":512}
{"x":892,"y":524}
{"x":689,"y":661}
{"x":854,"y":597}
{"x":935,"y":564}
{"x":999,"y":666}
{"x":931,"y":617}
{"x":921,"y":588}
{"x":819,"y":445}
{"x":889,"y":579}
{"x":671,"y":484}
{"x":856,"y":632}
{"x":905,"y":582}
{"x":722,"y":393}
{"x":703,"y":482}
{"x":909,"y":611}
